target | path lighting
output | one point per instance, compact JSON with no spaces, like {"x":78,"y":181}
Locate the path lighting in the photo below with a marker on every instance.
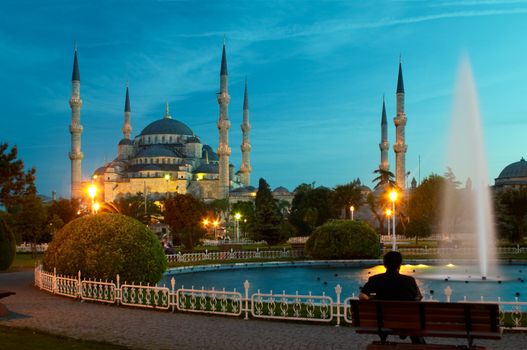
{"x":388,"y":214}
{"x":92,"y":192}
{"x":96,"y":207}
{"x":352,"y":210}
{"x":215,"y":224}
{"x":393,"y":198}
{"x":237,"y":216}
{"x":205,"y":222}
{"x":167,"y":179}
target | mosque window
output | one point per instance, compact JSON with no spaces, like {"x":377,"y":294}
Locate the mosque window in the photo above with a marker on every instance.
{"x":163,"y":139}
{"x":156,"y":139}
{"x":170,"y":139}
{"x":149,"y":139}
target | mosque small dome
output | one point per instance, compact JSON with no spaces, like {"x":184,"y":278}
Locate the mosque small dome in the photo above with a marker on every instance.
{"x":207,"y":169}
{"x":125,"y":142}
{"x":167,"y":126}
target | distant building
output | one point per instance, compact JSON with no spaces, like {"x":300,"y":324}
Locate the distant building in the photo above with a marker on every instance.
{"x":513,"y":176}
{"x":166,"y":157}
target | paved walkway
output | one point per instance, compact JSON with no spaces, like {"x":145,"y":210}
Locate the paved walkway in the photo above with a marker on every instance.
{"x":147,"y":329}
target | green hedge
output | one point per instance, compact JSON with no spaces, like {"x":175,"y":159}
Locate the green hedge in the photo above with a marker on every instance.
{"x":343,"y":239}
{"x":7,"y":246}
{"x":104,"y":245}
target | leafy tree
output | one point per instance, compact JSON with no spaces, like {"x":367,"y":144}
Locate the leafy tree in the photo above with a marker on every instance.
{"x":64,"y":209}
{"x":134,"y":206}
{"x":311,"y":207}
{"x":267,"y":215}
{"x":7,"y":246}
{"x":14,"y":182}
{"x":419,"y":229}
{"x":343,"y":239}
{"x":248,"y":216}
{"x":377,"y":204}
{"x":513,"y":205}
{"x":184,"y":214}
{"x":346,"y":196}
{"x":385,"y":178}
{"x":31,"y":219}
{"x":425,"y":204}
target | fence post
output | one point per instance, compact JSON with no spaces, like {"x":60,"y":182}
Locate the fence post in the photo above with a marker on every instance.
{"x":246,"y":286}
{"x":448,"y":293}
{"x":118,"y":290}
{"x":173,"y":299}
{"x":54,"y":281}
{"x":79,"y":285}
{"x":338,"y":290}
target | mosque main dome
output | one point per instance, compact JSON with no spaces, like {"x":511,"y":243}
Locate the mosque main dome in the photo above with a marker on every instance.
{"x":167,"y":126}
{"x":513,"y":175}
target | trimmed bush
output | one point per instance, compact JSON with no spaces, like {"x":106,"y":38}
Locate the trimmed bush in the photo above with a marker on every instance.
{"x":343,"y":239}
{"x":7,"y":246}
{"x":104,"y":245}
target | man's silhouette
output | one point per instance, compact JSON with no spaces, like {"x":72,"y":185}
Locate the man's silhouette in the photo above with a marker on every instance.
{"x":391,"y":285}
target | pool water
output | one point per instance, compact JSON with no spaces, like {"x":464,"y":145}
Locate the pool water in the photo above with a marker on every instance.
{"x":507,"y":283}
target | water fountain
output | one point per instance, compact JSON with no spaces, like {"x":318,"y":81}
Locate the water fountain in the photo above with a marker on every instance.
{"x":467,"y":213}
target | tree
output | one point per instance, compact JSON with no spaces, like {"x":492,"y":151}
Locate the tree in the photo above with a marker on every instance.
{"x":267,"y":215}
{"x":14,"y":182}
{"x":385,"y":178}
{"x":418,"y":229}
{"x":184,"y":214}
{"x":376,"y":206}
{"x":65,"y":209}
{"x":7,"y":246}
{"x":312,"y":207}
{"x":346,"y":196}
{"x":425,"y":204}
{"x":513,"y":205}
{"x":248,"y":216}
{"x":31,"y":219}
{"x":134,"y":206}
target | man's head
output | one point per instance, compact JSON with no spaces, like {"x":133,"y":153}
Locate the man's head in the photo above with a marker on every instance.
{"x":392,"y":261}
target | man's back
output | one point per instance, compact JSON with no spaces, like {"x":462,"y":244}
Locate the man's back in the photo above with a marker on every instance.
{"x":392,"y":286}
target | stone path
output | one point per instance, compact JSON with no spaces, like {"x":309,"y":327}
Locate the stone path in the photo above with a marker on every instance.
{"x":146,"y":329}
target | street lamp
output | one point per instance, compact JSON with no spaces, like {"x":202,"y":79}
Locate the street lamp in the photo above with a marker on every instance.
{"x":96,"y":207}
{"x":167,"y":179}
{"x":92,"y":192}
{"x":237,"y":216}
{"x":393,"y":198}
{"x":388,"y":214}
{"x":352,"y":209}
{"x":215,"y":224}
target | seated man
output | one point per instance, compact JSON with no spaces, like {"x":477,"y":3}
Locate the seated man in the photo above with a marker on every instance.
{"x":391,"y":285}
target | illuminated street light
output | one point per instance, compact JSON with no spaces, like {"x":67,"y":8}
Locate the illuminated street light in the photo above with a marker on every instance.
{"x":388,"y":214}
{"x":237,"y":216}
{"x":215,"y":224}
{"x":393,"y":198}
{"x":352,"y":209}
{"x":96,"y":207}
{"x":92,"y":192}
{"x":167,"y":179}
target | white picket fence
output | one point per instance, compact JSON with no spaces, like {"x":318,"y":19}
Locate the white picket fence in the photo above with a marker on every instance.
{"x":454,"y":252}
{"x":259,"y":305}
{"x":235,"y":255}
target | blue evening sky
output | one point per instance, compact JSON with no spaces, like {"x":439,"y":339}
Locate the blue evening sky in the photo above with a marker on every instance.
{"x":317,"y":71}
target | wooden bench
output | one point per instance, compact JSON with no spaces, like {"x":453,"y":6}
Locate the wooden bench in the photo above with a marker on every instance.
{"x":425,"y":319}
{"x":3,"y":308}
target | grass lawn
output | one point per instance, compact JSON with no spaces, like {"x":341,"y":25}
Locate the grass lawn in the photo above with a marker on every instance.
{"x":25,"y":261}
{"x":27,"y":339}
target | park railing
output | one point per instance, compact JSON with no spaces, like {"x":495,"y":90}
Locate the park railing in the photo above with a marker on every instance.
{"x":322,"y":309}
{"x":455,"y":252}
{"x":235,"y":255}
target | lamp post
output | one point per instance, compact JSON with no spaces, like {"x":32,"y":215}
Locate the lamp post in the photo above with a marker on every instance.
{"x":388,"y":214}
{"x":393,"y":198}
{"x":215,"y":224}
{"x":352,"y":210}
{"x":92,"y":192}
{"x":167,"y":179}
{"x":96,"y":207}
{"x":237,"y":216}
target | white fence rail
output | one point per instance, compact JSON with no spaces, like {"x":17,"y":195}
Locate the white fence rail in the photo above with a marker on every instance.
{"x":277,"y":306}
{"x":234,"y":255}
{"x":455,"y":252}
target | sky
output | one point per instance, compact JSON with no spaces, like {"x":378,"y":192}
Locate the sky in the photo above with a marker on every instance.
{"x":317,"y":72}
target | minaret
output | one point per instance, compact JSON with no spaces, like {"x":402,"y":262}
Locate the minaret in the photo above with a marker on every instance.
{"x":167,"y":112}
{"x":127,"y":127}
{"x":76,"y":130}
{"x":400,"y":122}
{"x":246,"y":169}
{"x":224,"y":124}
{"x":384,"y":146}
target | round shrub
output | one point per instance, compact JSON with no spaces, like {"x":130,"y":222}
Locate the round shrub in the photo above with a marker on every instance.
{"x":339,"y":239}
{"x":104,"y":245}
{"x":7,"y":246}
